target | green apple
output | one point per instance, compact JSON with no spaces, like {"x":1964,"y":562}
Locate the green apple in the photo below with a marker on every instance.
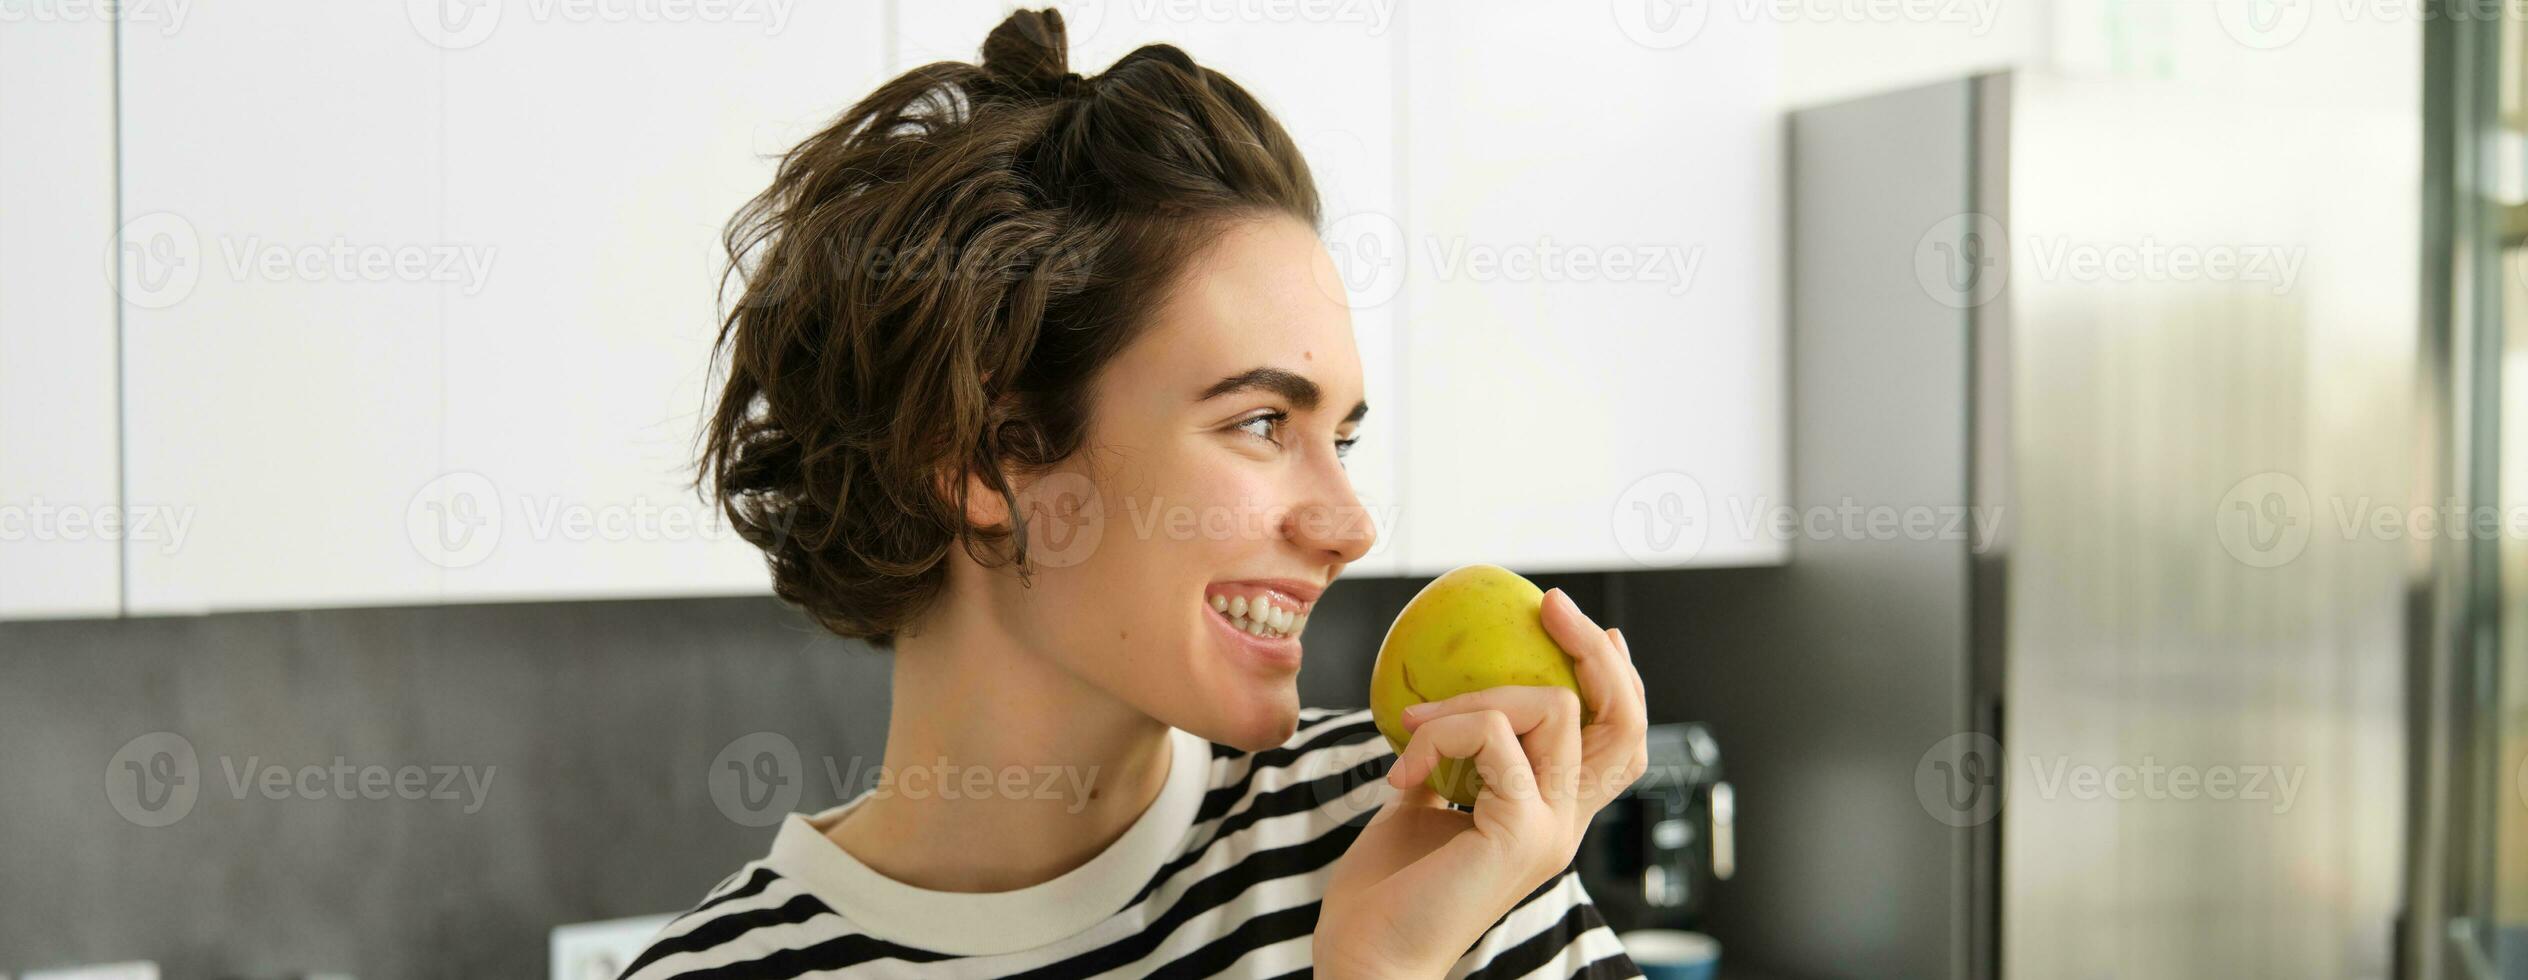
{"x":1479,"y":626}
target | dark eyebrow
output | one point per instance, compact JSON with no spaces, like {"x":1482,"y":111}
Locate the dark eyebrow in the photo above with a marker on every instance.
{"x":1295,"y":387}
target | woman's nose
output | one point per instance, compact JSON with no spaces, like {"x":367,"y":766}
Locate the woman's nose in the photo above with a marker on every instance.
{"x":1335,"y":524}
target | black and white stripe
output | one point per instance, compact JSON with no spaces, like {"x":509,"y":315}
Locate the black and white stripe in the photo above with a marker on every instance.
{"x":1240,"y":897}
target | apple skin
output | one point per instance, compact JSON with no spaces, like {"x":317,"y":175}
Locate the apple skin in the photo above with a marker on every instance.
{"x":1479,"y":626}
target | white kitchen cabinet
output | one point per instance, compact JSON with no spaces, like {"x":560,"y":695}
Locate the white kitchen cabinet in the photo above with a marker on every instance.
{"x":451,"y":336}
{"x":284,"y":370}
{"x":1528,"y":407}
{"x":430,"y":292}
{"x":1331,"y":82}
{"x":60,"y":501}
{"x":602,"y":160}
{"x":1592,"y":302}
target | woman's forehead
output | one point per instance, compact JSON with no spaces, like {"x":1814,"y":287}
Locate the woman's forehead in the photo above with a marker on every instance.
{"x":1255,"y":298}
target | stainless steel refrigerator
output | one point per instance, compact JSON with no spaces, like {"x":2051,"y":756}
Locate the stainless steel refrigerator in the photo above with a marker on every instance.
{"x":2096,"y":390}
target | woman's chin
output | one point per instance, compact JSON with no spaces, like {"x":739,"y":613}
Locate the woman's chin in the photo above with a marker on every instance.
{"x":1264,"y":719}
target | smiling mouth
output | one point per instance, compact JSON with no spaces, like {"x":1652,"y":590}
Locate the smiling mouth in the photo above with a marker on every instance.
{"x":1264,"y":615}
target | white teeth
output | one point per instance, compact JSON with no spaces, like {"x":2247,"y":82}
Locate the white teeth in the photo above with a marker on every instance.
{"x":1259,"y":616}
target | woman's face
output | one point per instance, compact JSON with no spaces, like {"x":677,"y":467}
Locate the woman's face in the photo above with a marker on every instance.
{"x":1213,"y":453}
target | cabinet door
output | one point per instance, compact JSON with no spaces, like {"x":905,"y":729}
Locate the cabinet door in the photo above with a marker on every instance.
{"x":61,"y":508}
{"x":283,"y":373}
{"x":1329,"y":77}
{"x":458,"y":281}
{"x":1592,"y":312}
{"x":594,"y":164}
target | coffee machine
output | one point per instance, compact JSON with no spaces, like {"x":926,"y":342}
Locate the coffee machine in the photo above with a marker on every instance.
{"x":1652,"y":857}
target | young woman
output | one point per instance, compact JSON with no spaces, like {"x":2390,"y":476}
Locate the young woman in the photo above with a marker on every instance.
{"x":1043,"y":383}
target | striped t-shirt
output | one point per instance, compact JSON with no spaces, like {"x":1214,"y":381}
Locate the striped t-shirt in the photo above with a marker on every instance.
{"x":1222,"y":875}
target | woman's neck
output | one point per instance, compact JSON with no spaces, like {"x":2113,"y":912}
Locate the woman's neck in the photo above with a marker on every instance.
{"x":1003,"y":770}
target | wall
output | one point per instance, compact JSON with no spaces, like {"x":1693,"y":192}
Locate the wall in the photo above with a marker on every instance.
{"x":589,"y":725}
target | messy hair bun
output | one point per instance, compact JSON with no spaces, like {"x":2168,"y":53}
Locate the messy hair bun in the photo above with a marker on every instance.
{"x":1029,"y":51}
{"x":933,"y":282}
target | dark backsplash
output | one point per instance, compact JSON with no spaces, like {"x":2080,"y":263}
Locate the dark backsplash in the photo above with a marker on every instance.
{"x":586,"y":726}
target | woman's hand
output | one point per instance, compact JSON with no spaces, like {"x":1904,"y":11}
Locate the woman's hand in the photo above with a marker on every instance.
{"x":1423,"y":882}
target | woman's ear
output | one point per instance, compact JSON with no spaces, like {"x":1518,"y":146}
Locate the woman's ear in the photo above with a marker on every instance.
{"x":985,"y":507}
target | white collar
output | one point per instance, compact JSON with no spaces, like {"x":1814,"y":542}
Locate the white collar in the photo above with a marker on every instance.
{"x":1023,"y":919}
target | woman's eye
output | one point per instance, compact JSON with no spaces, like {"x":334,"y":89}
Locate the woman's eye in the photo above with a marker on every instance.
{"x":1273,"y":422}
{"x":1268,"y":428}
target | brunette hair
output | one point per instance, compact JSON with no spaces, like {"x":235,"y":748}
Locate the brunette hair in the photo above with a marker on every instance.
{"x":932,"y":284}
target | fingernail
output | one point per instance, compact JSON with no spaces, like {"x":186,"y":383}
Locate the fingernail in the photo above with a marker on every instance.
{"x":1415,"y":710}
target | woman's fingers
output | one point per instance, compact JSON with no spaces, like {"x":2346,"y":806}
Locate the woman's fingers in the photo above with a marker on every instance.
{"x":1620,"y":770}
{"x":1627,"y":646}
{"x":1595,"y":658}
{"x":1545,"y":723}
{"x":1614,"y":745}
{"x":1546,"y":719}
{"x":1487,"y":737}
{"x":1584,"y":749}
{"x":1410,"y":794}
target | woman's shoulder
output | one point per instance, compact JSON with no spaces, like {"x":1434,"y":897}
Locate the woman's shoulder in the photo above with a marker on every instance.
{"x":742,"y":919}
